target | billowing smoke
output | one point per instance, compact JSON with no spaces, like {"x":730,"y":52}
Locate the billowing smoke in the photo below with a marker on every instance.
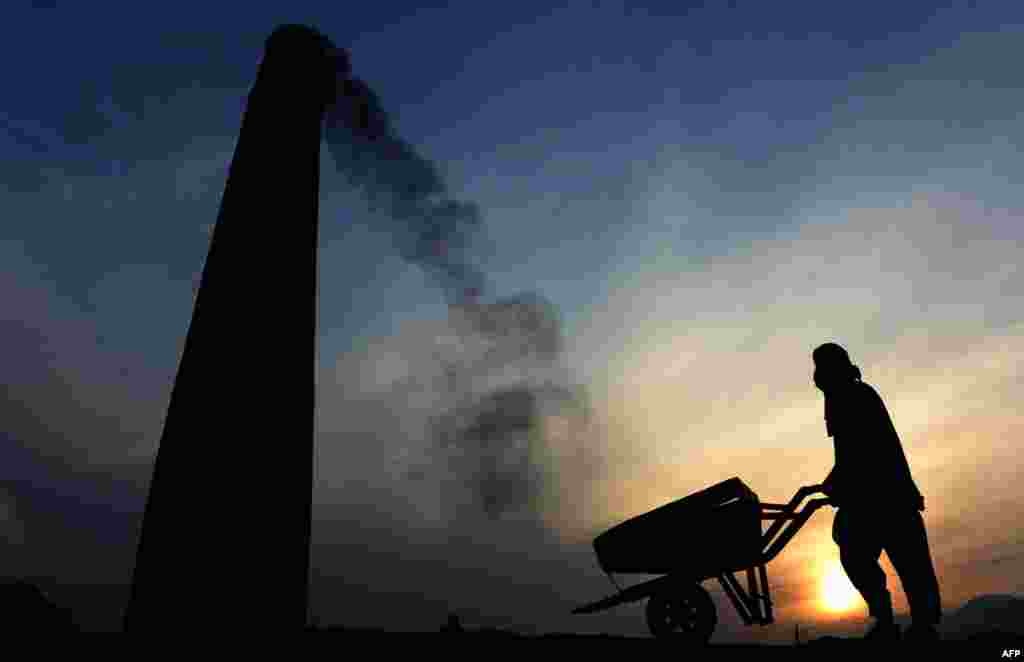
{"x":504,"y":384}
{"x":496,"y":377}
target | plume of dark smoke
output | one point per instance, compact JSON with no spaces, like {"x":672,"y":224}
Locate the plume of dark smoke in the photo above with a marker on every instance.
{"x":501,"y":375}
{"x":429,"y":228}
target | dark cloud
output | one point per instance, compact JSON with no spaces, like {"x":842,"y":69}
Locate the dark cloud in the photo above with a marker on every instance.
{"x":128,"y":112}
{"x":171,"y":67}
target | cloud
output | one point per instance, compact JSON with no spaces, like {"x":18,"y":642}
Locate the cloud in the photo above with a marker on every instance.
{"x":95,"y":406}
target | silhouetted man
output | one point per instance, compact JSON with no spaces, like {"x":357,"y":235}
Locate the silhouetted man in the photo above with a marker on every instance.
{"x":878,"y":503}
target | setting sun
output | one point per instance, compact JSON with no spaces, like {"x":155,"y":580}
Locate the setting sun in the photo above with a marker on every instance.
{"x":837,"y":593}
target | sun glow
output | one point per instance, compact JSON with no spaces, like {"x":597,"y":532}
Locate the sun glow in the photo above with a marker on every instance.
{"x":837,"y":593}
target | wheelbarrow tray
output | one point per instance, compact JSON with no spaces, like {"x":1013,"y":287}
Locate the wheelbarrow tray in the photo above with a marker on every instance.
{"x":698,"y":536}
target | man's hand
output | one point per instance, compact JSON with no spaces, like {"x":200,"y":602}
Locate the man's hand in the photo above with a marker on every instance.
{"x":806,"y":491}
{"x":821,"y":488}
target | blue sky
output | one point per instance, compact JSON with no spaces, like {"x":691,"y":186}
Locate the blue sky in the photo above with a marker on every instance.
{"x":629,"y":160}
{"x":743,"y":92}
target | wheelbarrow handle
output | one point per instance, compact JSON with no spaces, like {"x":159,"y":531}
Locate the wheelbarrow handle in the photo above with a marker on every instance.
{"x":803,"y":493}
{"x":797,"y":499}
{"x":784,"y":528}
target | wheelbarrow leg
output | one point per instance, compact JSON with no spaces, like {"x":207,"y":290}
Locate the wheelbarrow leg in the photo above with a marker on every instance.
{"x":760,"y":598}
{"x":755,"y":606}
{"x":769,"y":616}
{"x":737,"y":596}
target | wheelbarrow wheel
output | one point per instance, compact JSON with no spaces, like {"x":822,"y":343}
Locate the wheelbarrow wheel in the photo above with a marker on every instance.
{"x":686,"y":613}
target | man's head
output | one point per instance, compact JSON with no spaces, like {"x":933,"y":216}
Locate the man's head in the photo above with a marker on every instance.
{"x":832,"y":367}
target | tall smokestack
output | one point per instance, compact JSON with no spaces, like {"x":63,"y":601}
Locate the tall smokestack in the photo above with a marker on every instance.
{"x":225,"y":538}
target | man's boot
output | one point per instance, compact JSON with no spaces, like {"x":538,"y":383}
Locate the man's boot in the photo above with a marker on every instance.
{"x":925,"y":611}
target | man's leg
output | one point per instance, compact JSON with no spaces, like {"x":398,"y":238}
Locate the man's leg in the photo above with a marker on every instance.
{"x":907,"y":548}
{"x":859,"y":550}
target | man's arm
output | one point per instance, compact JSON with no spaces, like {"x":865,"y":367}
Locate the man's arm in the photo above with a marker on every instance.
{"x":825,"y":487}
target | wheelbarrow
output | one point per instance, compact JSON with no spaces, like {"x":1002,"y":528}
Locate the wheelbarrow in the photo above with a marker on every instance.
{"x":727,"y":538}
